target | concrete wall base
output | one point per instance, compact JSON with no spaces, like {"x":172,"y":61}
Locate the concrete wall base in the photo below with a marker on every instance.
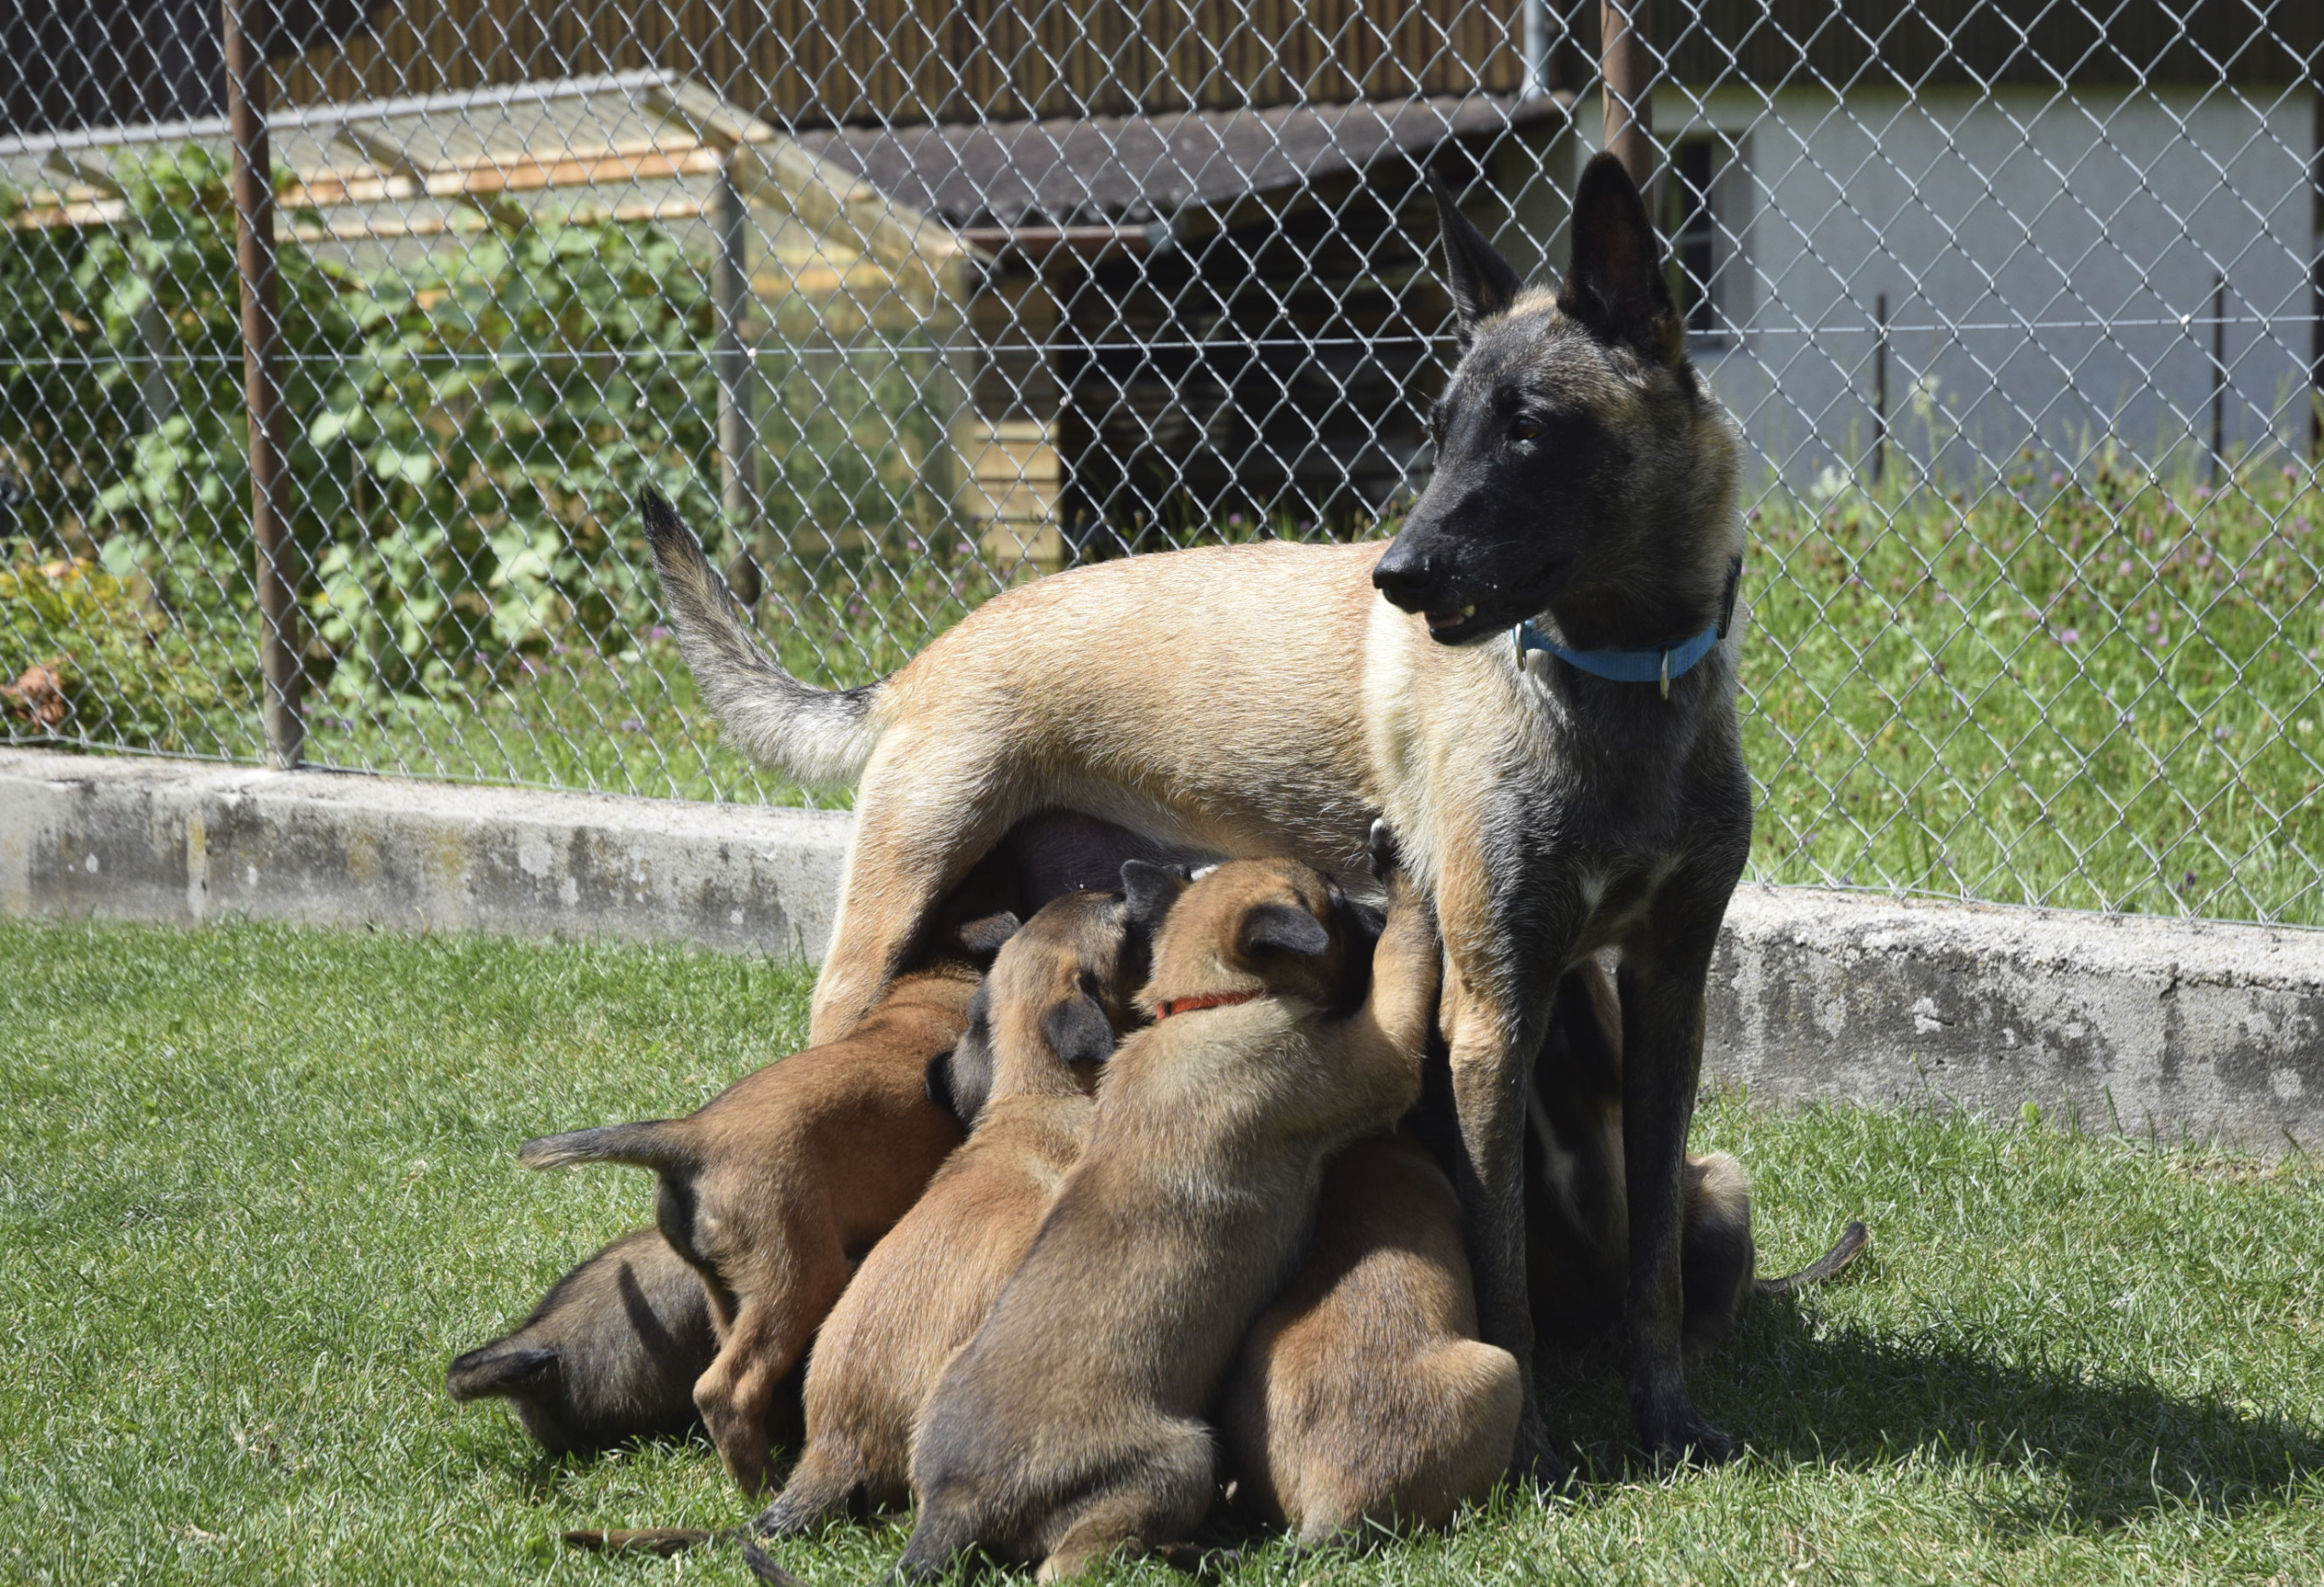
{"x":2165,"y":1028}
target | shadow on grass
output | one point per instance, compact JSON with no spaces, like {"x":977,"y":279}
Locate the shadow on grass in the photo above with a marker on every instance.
{"x":1851,"y":1398}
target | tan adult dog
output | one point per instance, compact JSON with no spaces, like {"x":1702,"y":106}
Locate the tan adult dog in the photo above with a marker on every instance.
{"x":1071,"y":1426}
{"x":1543,"y":708}
{"x":776,"y":1188}
{"x":1046,"y":1017}
{"x":1363,"y":1396}
{"x":611,"y":1353}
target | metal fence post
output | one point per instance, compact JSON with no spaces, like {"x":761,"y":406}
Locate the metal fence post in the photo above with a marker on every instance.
{"x":1626,"y":68}
{"x":730,"y":287}
{"x":262,"y":388}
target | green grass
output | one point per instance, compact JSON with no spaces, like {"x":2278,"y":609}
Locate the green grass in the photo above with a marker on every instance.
{"x":259,"y":1188}
{"x":2100,"y":692}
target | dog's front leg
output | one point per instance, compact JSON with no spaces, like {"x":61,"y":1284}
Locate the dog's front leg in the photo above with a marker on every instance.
{"x":1485,"y":1035}
{"x":1661,"y":982}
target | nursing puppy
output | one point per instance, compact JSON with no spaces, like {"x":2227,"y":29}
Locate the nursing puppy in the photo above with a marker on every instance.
{"x":780,"y":1185}
{"x":1534,"y":682}
{"x":611,"y":1353}
{"x":1049,"y":1012}
{"x":1363,"y":1396}
{"x":1577,"y":1215}
{"x":1072,"y":1426}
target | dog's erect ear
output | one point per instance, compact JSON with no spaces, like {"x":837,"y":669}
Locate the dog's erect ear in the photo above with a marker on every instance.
{"x":497,"y":1369}
{"x":1079,"y":1030}
{"x":1150,"y":890}
{"x":1483,"y":283}
{"x":1617,"y":288}
{"x":1283,"y":928}
{"x":981,"y":938}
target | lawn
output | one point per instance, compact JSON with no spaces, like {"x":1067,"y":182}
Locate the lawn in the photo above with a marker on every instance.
{"x":2092,"y":690}
{"x":260,"y":1187}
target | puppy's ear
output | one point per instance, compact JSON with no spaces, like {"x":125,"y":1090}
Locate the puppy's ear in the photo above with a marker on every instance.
{"x":1483,"y":283}
{"x":1150,"y":890}
{"x":1283,"y":928}
{"x":1617,"y":288}
{"x":497,"y":1369}
{"x":1079,"y":1030}
{"x":981,"y":938}
{"x":964,"y":1076}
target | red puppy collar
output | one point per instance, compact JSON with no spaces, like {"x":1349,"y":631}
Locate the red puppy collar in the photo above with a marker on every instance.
{"x":1164,"y":1009}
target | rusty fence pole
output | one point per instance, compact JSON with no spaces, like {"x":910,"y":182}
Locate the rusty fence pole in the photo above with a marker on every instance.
{"x":262,"y":388}
{"x":1626,"y":68}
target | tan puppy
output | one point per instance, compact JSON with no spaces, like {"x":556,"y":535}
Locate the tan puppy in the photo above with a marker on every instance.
{"x":1576,"y":1222}
{"x":1046,"y":1017}
{"x":1071,"y":1426}
{"x":1362,"y":1395}
{"x":780,"y":1185}
{"x":611,"y":1353}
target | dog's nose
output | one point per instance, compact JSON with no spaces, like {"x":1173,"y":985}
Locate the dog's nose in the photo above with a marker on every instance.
{"x":1405,"y":578}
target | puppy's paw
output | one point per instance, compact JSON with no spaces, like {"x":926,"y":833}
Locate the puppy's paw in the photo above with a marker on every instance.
{"x":1381,"y":844}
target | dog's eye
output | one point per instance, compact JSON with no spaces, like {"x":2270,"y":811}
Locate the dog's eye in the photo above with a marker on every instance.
{"x":1527,"y":428}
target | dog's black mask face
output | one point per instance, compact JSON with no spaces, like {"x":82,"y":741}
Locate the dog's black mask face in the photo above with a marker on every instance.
{"x":1582,"y":467}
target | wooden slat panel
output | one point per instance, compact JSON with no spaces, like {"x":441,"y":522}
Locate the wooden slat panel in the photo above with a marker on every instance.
{"x":812,"y":62}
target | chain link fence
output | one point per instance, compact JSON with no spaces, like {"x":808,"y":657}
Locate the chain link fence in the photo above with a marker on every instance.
{"x":2016,"y":301}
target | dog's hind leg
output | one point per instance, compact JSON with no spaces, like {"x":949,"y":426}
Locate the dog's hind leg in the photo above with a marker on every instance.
{"x":1161,"y":1500}
{"x":817,"y":1489}
{"x":919,"y":832}
{"x":736,"y":1395}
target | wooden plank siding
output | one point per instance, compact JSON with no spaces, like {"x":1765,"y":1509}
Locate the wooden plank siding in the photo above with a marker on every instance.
{"x":820,"y":62}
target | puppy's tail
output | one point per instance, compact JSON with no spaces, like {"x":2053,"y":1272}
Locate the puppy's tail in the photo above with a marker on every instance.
{"x":652,"y":1145}
{"x":820,"y":736}
{"x":1827,"y":1265}
{"x":660,"y":1541}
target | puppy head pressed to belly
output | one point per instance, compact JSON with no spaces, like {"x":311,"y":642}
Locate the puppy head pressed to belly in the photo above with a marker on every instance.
{"x":1038,"y":1030}
{"x":1070,"y":1427}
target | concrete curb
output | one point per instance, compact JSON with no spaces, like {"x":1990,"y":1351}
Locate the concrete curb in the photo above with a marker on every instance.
{"x":2169,"y":1027}
{"x":85,"y":836}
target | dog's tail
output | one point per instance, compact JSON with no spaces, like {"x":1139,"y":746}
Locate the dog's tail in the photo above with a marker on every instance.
{"x":660,"y":1541}
{"x":652,"y":1144}
{"x":762,"y":1566}
{"x":820,"y":736}
{"x":1827,"y":1265}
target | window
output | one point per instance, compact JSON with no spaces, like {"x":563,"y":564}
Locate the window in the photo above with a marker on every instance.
{"x":1691,"y":186}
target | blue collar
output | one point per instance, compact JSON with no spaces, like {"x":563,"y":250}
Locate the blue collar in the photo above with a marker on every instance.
{"x":1659,"y":665}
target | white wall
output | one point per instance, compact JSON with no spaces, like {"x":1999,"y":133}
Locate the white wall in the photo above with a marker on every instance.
{"x":2038,"y":250}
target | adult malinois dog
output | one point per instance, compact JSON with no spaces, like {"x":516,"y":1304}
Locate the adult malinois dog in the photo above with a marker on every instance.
{"x":1542,"y":707}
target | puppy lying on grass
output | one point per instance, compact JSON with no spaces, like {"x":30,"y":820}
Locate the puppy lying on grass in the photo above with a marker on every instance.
{"x":1048,"y":1013}
{"x":1362,"y":1395}
{"x":1577,"y":1220}
{"x":1071,"y":1426}
{"x":780,"y":1183}
{"x":611,"y":1353}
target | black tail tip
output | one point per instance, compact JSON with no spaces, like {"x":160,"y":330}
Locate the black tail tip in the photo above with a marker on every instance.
{"x":763,"y":1567}
{"x":663,"y":526}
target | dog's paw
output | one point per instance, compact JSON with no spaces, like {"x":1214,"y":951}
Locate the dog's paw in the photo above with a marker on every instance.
{"x":1692,"y":1443}
{"x":1382,"y":845}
